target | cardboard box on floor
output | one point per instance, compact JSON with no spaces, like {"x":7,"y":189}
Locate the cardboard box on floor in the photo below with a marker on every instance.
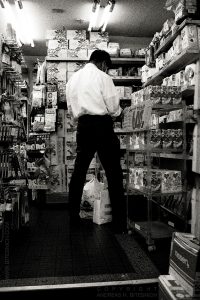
{"x":170,"y":289}
{"x":185,"y":262}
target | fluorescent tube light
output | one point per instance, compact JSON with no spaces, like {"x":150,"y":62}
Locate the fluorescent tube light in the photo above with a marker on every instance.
{"x":106,"y":15}
{"x":95,"y":12}
{"x":2,"y":3}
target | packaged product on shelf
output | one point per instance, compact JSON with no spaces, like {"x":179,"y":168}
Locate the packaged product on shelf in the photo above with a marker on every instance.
{"x":154,"y":182}
{"x":61,"y":123}
{"x":139,"y":178}
{"x":165,"y":95}
{"x":120,"y":90}
{"x":127,"y":92}
{"x":61,"y":91}
{"x":176,"y":95}
{"x":177,"y":136}
{"x":167,"y":139}
{"x":38,"y":123}
{"x":52,"y":99}
{"x":113,"y":45}
{"x":98,"y":45}
{"x":180,"y":78}
{"x":53,"y":149}
{"x":190,"y":71}
{"x":123,"y":141}
{"x":139,"y":159}
{"x":56,"y":72}
{"x":113,"y":72}
{"x":57,"y":49}
{"x":171,"y":181}
{"x":57,"y":34}
{"x":77,"y":54}
{"x":189,"y":37}
{"x":74,"y":66}
{"x":117,"y":126}
{"x":114,"y":52}
{"x":5,"y":58}
{"x":153,"y":93}
{"x":78,"y":44}
{"x":38,"y":95}
{"x":50,"y":119}
{"x":60,"y":148}
{"x":125,"y":52}
{"x":76,"y":35}
{"x":95,"y":36}
{"x":155,"y":138}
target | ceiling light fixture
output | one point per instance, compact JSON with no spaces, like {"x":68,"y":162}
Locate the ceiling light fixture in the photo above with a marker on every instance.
{"x":19,"y":3}
{"x":2,"y":3}
{"x":107,"y":14}
{"x":95,"y":12}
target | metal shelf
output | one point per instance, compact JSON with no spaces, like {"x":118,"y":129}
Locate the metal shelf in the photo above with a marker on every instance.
{"x":169,"y":40}
{"x":126,"y":78}
{"x":146,"y":193}
{"x":158,"y":229}
{"x":185,"y":58}
{"x":115,"y":60}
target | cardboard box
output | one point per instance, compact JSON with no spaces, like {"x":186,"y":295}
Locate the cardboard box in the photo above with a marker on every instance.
{"x":56,"y":34}
{"x":189,"y":37}
{"x":56,"y":71}
{"x":76,"y":35}
{"x":185,"y":262}
{"x":170,"y":289}
{"x":74,"y":66}
{"x":77,"y":54}
{"x":95,"y":36}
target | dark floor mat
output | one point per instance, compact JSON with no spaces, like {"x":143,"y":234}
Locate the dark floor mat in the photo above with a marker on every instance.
{"x":51,"y":251}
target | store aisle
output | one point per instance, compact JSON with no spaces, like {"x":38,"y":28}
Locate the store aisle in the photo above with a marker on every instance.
{"x":49,"y":251}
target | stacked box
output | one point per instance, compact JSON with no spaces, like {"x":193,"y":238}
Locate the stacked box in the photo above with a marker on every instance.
{"x":185,"y":262}
{"x":56,"y":72}
{"x":171,"y":289}
{"x":163,"y":181}
{"x":189,"y":37}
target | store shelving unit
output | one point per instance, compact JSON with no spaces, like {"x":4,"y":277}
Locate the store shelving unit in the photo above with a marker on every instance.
{"x":152,"y":229}
{"x":149,"y":228}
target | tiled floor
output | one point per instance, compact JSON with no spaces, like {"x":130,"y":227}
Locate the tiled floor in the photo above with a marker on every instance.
{"x":50,"y":251}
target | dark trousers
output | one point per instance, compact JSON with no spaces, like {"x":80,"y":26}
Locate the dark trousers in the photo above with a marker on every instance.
{"x":96,"y":134}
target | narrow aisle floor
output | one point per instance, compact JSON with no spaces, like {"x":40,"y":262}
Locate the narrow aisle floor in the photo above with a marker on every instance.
{"x":50,"y":251}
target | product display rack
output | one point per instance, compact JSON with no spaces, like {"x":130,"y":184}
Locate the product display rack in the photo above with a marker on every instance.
{"x":14,"y":204}
{"x":151,"y":229}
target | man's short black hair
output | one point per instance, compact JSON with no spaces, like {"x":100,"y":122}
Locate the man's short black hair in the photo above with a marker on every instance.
{"x":99,"y":56}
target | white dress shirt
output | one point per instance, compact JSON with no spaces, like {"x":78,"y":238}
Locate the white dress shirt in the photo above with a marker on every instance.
{"x":92,"y":91}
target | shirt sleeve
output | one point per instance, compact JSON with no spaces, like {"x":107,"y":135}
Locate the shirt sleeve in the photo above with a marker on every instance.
{"x":111,"y":97}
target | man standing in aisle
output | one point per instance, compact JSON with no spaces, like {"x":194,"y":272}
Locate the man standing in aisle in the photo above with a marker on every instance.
{"x":93,"y":101}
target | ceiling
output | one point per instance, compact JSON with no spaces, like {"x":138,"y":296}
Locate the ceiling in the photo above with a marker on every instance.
{"x":130,"y":18}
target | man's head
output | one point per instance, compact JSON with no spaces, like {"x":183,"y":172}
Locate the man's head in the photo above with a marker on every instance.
{"x":101,"y":59}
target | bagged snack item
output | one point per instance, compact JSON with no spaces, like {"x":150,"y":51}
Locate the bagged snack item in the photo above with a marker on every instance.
{"x":155,"y":139}
{"x":102,"y":212}
{"x":177,"y":138}
{"x":50,"y":119}
{"x":166,"y":138}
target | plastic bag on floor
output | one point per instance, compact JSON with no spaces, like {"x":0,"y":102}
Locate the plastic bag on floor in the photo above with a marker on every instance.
{"x":91,"y":192}
{"x":102,"y":211}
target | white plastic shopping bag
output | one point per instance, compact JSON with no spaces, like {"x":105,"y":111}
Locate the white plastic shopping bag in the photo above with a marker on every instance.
{"x":91,"y":191}
{"x":102,"y":211}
